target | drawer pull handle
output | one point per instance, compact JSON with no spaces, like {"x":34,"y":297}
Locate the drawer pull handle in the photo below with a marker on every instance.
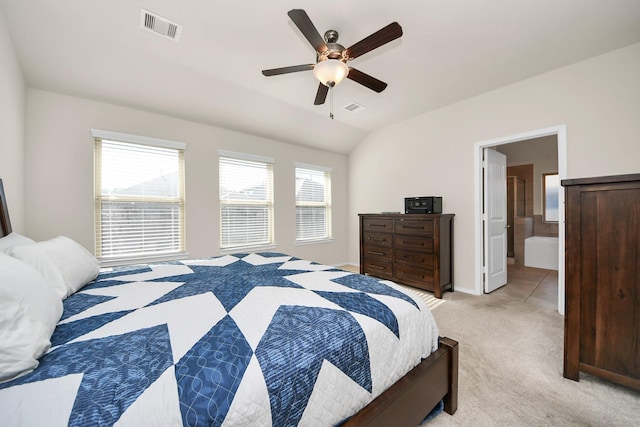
{"x":376,"y":253}
{"x":412,"y":243}
{"x":377,"y":239}
{"x":376,"y":266}
{"x":415,"y":227}
{"x":378,"y":225}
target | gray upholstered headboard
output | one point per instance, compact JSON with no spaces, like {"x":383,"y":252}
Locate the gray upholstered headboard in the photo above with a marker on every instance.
{"x":5,"y":222}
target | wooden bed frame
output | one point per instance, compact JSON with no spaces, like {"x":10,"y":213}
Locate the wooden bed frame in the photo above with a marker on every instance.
{"x":411,"y":398}
{"x":405,"y":403}
{"x":5,"y":222}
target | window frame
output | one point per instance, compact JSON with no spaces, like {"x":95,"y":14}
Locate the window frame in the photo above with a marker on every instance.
{"x":328,"y":234}
{"x":544,"y":197}
{"x":270,"y":232}
{"x":100,"y":136}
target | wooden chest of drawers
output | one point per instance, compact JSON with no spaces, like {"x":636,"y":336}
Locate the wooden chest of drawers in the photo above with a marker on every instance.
{"x":602,"y":278}
{"x":413,"y":249}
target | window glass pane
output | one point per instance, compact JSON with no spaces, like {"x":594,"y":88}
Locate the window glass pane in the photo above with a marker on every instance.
{"x":244,"y":180}
{"x":551,"y":189}
{"x":139,"y":228}
{"x":244,"y":225}
{"x":137,"y":170}
{"x":311,"y":222}
{"x":310,"y":186}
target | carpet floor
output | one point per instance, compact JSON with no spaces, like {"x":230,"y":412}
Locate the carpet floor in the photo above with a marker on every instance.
{"x":432,"y":302}
{"x":510,"y":372}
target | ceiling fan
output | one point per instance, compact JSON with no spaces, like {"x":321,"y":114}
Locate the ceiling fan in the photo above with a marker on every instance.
{"x":331,"y":58}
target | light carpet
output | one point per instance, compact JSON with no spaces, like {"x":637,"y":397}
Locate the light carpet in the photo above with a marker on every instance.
{"x":427,"y":297}
{"x":510,"y":372}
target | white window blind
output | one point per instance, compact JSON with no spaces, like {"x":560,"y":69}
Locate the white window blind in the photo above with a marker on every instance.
{"x":246,"y":201}
{"x":139,"y":201}
{"x":313,"y":203}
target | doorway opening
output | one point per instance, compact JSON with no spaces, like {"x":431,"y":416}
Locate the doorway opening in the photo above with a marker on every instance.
{"x":480,"y":256}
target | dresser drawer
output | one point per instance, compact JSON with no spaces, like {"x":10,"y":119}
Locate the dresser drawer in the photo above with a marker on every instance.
{"x":420,"y":277}
{"x":377,"y":239}
{"x":377,"y":225}
{"x":378,"y":267}
{"x":378,"y":252}
{"x":416,"y":243}
{"x":416,"y":227}
{"x":419,"y":259}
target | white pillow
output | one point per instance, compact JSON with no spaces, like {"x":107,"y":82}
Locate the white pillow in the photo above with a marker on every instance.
{"x":13,"y":239}
{"x":29,"y":312}
{"x":65,"y":264}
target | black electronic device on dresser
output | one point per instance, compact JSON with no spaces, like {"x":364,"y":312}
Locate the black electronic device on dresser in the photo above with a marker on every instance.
{"x":428,"y":205}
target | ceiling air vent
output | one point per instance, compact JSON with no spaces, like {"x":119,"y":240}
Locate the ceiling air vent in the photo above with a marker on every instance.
{"x":354,"y":107}
{"x":159,"y":25}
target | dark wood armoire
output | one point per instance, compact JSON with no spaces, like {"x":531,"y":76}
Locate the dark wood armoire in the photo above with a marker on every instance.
{"x":602,"y":278}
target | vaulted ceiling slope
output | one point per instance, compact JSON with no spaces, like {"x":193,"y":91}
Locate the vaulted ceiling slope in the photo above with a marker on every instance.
{"x":450,"y":51}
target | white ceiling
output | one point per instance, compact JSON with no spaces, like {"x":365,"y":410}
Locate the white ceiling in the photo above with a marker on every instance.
{"x":450,"y":50}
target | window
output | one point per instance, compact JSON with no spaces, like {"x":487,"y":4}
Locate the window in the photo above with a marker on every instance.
{"x":313,"y":203}
{"x":550,"y":189}
{"x":139,"y":202}
{"x":246,"y":200}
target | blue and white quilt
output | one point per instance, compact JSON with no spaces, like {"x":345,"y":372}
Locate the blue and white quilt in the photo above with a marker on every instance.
{"x":247,"y":339}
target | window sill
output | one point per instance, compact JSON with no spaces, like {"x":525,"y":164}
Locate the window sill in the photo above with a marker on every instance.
{"x":313,"y":242}
{"x":243,"y":249}
{"x":114,"y":262}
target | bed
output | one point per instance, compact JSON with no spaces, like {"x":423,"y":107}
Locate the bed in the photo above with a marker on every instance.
{"x":242,"y":339}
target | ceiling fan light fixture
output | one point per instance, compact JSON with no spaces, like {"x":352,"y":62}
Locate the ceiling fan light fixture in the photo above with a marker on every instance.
{"x":330,"y":72}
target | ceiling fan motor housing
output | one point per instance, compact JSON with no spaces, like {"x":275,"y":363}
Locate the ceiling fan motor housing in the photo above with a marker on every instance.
{"x":334,"y":49}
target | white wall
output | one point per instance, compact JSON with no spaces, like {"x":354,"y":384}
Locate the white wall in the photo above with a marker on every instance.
{"x":59,"y":169}
{"x":432,"y":154}
{"x":12,"y":121}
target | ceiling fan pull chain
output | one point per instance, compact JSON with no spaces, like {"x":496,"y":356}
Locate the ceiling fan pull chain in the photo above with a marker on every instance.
{"x":331,"y":102}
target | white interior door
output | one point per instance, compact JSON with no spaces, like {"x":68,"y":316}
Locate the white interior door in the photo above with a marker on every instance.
{"x":495,"y":220}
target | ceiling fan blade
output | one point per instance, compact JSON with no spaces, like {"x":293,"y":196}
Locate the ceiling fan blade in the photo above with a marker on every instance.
{"x":366,"y":80}
{"x":321,"y":95}
{"x":286,"y":70}
{"x":375,"y":40}
{"x":306,"y":27}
